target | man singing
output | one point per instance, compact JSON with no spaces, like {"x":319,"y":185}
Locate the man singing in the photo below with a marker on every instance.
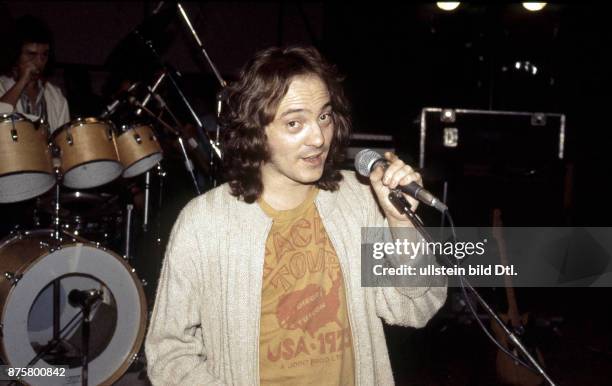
{"x":261,"y":282}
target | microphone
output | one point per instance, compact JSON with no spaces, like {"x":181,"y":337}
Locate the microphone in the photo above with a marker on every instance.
{"x":83,"y":298}
{"x":366,"y":160}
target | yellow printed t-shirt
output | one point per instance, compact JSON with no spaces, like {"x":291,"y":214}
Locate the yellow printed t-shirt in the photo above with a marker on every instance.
{"x":305,"y":336}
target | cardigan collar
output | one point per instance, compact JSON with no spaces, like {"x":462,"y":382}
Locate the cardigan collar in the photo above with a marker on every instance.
{"x":325,"y":201}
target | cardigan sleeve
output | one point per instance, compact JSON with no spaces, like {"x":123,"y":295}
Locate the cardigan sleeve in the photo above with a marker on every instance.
{"x":417,"y":301}
{"x":174,"y":347}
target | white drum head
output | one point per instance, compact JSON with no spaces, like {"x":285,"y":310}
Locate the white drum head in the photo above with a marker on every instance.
{"x":142,"y":165}
{"x":78,"y":266}
{"x":92,"y":174}
{"x":23,"y":186}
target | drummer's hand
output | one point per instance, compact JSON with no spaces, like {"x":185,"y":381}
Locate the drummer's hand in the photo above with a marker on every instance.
{"x":26,"y":71}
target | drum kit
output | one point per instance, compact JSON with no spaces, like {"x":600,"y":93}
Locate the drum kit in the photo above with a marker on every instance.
{"x":43,"y":268}
{"x":60,"y":278}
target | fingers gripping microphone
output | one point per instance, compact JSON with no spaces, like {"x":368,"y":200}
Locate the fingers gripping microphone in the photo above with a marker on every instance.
{"x":366,"y":160}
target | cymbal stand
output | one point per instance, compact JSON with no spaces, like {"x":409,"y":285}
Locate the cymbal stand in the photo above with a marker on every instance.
{"x":181,"y":142}
{"x":171,"y":74}
{"x":57,"y":228}
{"x":200,"y":45}
{"x":56,"y":236}
{"x":221,"y":95}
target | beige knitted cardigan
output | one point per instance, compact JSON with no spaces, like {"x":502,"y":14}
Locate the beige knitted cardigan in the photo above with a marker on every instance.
{"x":204,"y":328}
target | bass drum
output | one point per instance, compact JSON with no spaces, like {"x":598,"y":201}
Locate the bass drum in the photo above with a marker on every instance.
{"x":30,"y":263}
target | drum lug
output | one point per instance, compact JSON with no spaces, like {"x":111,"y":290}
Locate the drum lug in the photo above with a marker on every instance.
{"x":109,"y":134}
{"x":48,"y":246}
{"x":144,"y":282}
{"x":12,"y":277}
{"x":14,"y":135}
{"x":69,"y":139}
{"x":137,"y":138}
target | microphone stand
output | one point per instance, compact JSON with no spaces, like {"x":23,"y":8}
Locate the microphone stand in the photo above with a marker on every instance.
{"x":402,"y":205}
{"x":86,"y":309}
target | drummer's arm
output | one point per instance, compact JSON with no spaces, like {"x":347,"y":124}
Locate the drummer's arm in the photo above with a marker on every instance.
{"x":176,"y":354}
{"x":12,"y":95}
{"x":23,"y":73}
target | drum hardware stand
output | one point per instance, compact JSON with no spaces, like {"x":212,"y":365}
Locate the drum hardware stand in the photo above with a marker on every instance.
{"x":200,"y":45}
{"x":151,"y":90}
{"x":161,"y":174}
{"x":171,"y":76}
{"x":188,"y":164}
{"x":145,"y":219}
{"x":128,"y":228}
{"x":221,"y":95}
{"x":221,"y":98}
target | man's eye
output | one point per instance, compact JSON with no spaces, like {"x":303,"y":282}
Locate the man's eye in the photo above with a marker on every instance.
{"x":293,"y":124}
{"x":325,"y":117}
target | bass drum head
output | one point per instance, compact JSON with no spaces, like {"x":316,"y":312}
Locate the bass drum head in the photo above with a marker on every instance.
{"x":117,"y":324}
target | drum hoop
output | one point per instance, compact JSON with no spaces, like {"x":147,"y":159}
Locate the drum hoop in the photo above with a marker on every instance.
{"x":141,"y":295}
{"x":22,"y":172}
{"x":81,"y":121}
{"x":126,"y":128}
{"x":143,"y":158}
{"x":14,"y":117}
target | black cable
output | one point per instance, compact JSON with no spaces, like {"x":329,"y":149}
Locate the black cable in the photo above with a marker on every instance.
{"x":473,"y":311}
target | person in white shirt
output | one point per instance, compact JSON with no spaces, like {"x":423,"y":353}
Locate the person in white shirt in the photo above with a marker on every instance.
{"x":23,"y":85}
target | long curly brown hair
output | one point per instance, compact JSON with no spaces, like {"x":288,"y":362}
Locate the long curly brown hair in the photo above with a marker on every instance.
{"x":252,"y":104}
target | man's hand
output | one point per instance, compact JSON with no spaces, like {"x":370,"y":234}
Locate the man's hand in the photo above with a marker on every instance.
{"x":26,"y":71}
{"x":383,"y":180}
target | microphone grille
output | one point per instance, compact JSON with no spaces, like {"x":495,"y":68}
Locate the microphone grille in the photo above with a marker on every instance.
{"x":364,"y":160}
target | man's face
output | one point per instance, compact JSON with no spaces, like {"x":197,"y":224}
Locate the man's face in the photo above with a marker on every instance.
{"x":35,"y":53}
{"x":300,"y":134}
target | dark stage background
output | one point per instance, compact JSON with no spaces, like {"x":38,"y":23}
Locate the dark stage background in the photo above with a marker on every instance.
{"x":397,"y":60}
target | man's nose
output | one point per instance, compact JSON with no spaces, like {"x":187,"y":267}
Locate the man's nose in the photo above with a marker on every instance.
{"x":316,"y":137}
{"x":39,"y":60}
